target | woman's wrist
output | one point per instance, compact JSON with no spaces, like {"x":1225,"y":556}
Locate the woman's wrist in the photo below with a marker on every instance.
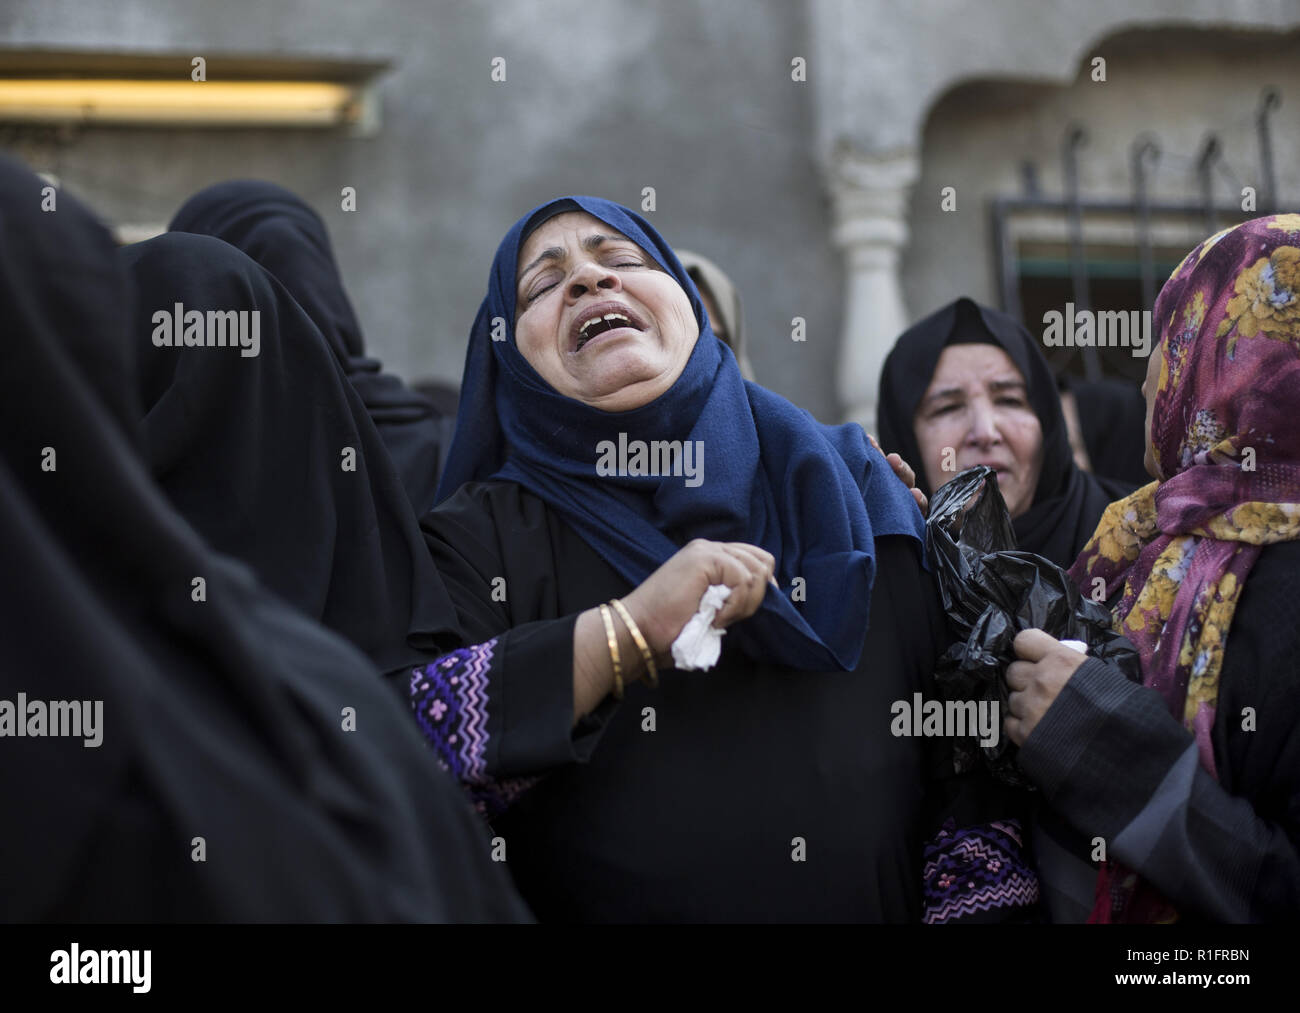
{"x":651,"y":672}
{"x":593,"y":663}
{"x":629,"y":654}
{"x":645,"y":623}
{"x":592,"y":676}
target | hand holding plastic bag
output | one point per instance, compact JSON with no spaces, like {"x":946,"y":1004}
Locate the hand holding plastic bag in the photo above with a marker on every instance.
{"x":991,"y":591}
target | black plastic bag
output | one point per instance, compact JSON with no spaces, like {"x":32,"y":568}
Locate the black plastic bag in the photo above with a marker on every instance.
{"x":991,"y":591}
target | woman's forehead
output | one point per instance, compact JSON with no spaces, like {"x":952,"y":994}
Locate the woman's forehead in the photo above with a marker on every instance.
{"x":974,"y":362}
{"x":566,"y":226}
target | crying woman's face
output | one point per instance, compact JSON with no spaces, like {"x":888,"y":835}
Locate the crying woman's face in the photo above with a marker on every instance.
{"x":597,"y":317}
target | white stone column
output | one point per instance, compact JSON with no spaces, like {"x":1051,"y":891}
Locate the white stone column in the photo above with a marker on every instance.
{"x":870,"y":203}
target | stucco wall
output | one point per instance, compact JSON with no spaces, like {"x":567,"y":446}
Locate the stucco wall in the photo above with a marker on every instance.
{"x":1176,"y":85}
{"x":693,"y":97}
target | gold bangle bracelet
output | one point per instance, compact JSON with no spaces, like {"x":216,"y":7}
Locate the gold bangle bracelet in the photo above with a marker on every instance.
{"x":612,"y":638}
{"x":651,"y":672}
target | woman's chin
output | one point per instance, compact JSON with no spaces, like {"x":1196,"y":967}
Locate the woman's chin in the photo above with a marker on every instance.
{"x":621,"y":384}
{"x":1013,"y":496}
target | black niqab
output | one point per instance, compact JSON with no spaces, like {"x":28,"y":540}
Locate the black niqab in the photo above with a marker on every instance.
{"x":221,"y":716}
{"x":1068,"y":502}
{"x":282,"y":233}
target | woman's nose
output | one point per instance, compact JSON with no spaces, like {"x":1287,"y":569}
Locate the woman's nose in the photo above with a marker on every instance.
{"x":983,"y":424}
{"x":590,"y":276}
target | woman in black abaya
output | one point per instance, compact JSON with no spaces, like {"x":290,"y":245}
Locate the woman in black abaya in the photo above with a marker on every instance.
{"x":282,"y":233}
{"x":273,"y":458}
{"x":967,"y":385}
{"x":221,"y":711}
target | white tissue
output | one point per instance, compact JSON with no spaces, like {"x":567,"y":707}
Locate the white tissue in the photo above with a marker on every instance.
{"x":699,"y":644}
{"x":1076,"y":645}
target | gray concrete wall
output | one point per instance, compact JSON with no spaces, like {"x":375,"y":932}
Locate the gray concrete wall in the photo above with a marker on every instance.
{"x":901,"y":57}
{"x":1178,"y":85}
{"x":693,"y":97}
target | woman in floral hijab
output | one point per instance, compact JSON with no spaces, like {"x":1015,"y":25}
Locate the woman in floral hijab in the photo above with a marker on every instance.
{"x":1192,"y":780}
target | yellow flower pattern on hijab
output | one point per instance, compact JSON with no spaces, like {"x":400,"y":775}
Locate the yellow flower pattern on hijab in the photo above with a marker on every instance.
{"x":1286,"y":223}
{"x":1225,"y":436}
{"x":1267,"y":300}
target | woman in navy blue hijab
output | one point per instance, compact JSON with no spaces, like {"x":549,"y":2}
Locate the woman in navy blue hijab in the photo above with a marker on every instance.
{"x":608,"y":448}
{"x":812,"y":495}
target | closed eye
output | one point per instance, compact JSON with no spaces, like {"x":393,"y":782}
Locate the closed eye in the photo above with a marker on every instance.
{"x":537,"y":293}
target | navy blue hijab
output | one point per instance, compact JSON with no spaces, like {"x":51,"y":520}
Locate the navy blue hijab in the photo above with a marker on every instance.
{"x":815,"y":496}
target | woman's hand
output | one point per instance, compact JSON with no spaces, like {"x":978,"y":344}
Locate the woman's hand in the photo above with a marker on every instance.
{"x":660,"y":607}
{"x":1037,"y":680}
{"x":905,"y":473}
{"x":667,"y":599}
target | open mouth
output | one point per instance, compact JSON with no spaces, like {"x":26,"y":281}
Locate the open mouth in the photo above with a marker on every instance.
{"x":602,"y":319}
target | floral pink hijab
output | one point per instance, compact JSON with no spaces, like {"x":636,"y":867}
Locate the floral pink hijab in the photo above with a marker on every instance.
{"x":1225,"y":431}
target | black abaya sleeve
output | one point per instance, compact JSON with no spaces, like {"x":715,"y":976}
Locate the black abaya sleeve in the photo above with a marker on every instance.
{"x":498,"y":707}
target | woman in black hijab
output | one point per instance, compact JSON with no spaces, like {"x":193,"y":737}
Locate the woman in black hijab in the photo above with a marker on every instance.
{"x":221,"y":780}
{"x":967,"y":385}
{"x":268,"y":451}
{"x":1112,"y":421}
{"x":282,"y":233}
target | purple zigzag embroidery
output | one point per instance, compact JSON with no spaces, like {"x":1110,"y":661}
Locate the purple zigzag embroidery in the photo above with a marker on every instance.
{"x":976,"y":869}
{"x":474,"y":699}
{"x":450,"y":700}
{"x":1017,"y":892}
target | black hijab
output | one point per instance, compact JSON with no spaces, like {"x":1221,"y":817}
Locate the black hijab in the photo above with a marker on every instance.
{"x":1112,"y":418}
{"x":221,"y":717}
{"x":1068,"y":502}
{"x":282,"y":233}
{"x":252,"y":451}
